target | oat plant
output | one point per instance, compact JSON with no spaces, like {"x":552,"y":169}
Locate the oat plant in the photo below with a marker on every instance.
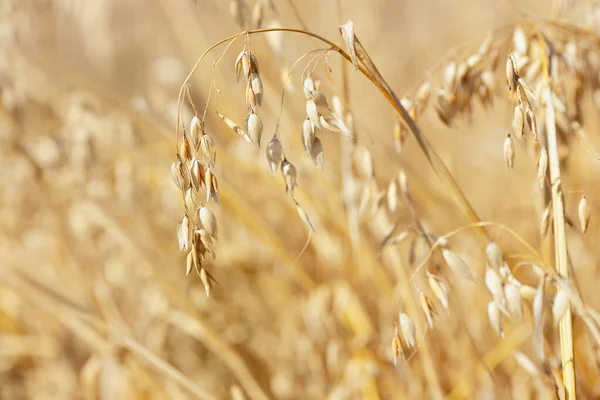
{"x":541,"y":68}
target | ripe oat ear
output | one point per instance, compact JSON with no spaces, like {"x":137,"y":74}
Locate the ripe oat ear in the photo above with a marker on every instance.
{"x":347,"y":31}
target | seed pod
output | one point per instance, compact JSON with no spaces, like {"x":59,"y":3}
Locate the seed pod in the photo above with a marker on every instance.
{"x":518,"y":122}
{"x":180,"y":174}
{"x":241,"y":66}
{"x":338,"y":105}
{"x":198,"y":256}
{"x":185,"y":150}
{"x":208,"y":221}
{"x":208,"y":175}
{"x":561,"y":304}
{"x":531,"y":121}
{"x":205,"y":281}
{"x":257,"y":87}
{"x":513,"y":300}
{"x":439,"y":288}
{"x":203,"y":237}
{"x":254,"y":127}
{"x":495,"y":317}
{"x":408,"y":329}
{"x":320,"y":101}
{"x":308,"y":135}
{"x":309,"y":87}
{"x":197,"y":173}
{"x":347,"y":32}
{"x":196,"y":130}
{"x":274,"y":153}
{"x":494,"y":284}
{"x":403,"y":181}
{"x":251,"y":102}
{"x":400,"y":134}
{"x":214,"y":191}
{"x":392,"y":196}
{"x":457,"y":264}
{"x":304,"y":216}
{"x":494,"y":255}
{"x":512,"y":76}
{"x":313,"y":113}
{"x":183,"y":233}
{"x":583,"y":212}
{"x":208,"y":148}
{"x":234,"y":127}
{"x":316,"y":152}
{"x":333,"y":122}
{"x":396,"y":344}
{"x":189,"y":263}
{"x":449,"y":77}
{"x":289,"y":175}
{"x":427,"y":307}
{"x":423,"y":94}
{"x":509,"y":152}
{"x":190,"y":198}
{"x":542,"y":167}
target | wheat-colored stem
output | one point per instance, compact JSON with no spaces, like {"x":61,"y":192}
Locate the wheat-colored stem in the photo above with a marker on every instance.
{"x":560,"y":240}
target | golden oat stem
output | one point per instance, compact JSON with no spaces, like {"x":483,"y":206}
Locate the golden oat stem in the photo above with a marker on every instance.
{"x":560,"y":240}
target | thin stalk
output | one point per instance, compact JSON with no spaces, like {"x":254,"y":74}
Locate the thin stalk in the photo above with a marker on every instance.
{"x":560,"y":240}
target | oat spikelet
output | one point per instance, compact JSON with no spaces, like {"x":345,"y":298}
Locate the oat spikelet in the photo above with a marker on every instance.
{"x":189,"y":263}
{"x":439,"y":288}
{"x":423,"y":94}
{"x":561,"y":303}
{"x":183,"y":233}
{"x":542,"y":167}
{"x":234,"y":127}
{"x":494,"y":284}
{"x":289,"y":174}
{"x":583,"y":211}
{"x":304,"y":216}
{"x":208,"y":221}
{"x":205,"y":281}
{"x":509,"y":152}
{"x":427,"y":307}
{"x":408,"y":330}
{"x":512,"y":76}
{"x":518,"y":121}
{"x":254,"y":128}
{"x":316,"y":153}
{"x":513,"y":300}
{"x":396,"y":345}
{"x":274,"y":153}
{"x":494,"y":255}
{"x":347,"y":31}
{"x":196,"y":130}
{"x":457,"y":264}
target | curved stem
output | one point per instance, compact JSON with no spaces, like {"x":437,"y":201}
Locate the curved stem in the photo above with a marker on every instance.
{"x":478,"y":225}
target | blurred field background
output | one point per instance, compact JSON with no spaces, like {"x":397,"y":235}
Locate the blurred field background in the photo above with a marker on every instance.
{"x":94,"y":301}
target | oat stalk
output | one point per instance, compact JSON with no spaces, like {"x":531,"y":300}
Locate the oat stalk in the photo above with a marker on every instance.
{"x":560,"y":241}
